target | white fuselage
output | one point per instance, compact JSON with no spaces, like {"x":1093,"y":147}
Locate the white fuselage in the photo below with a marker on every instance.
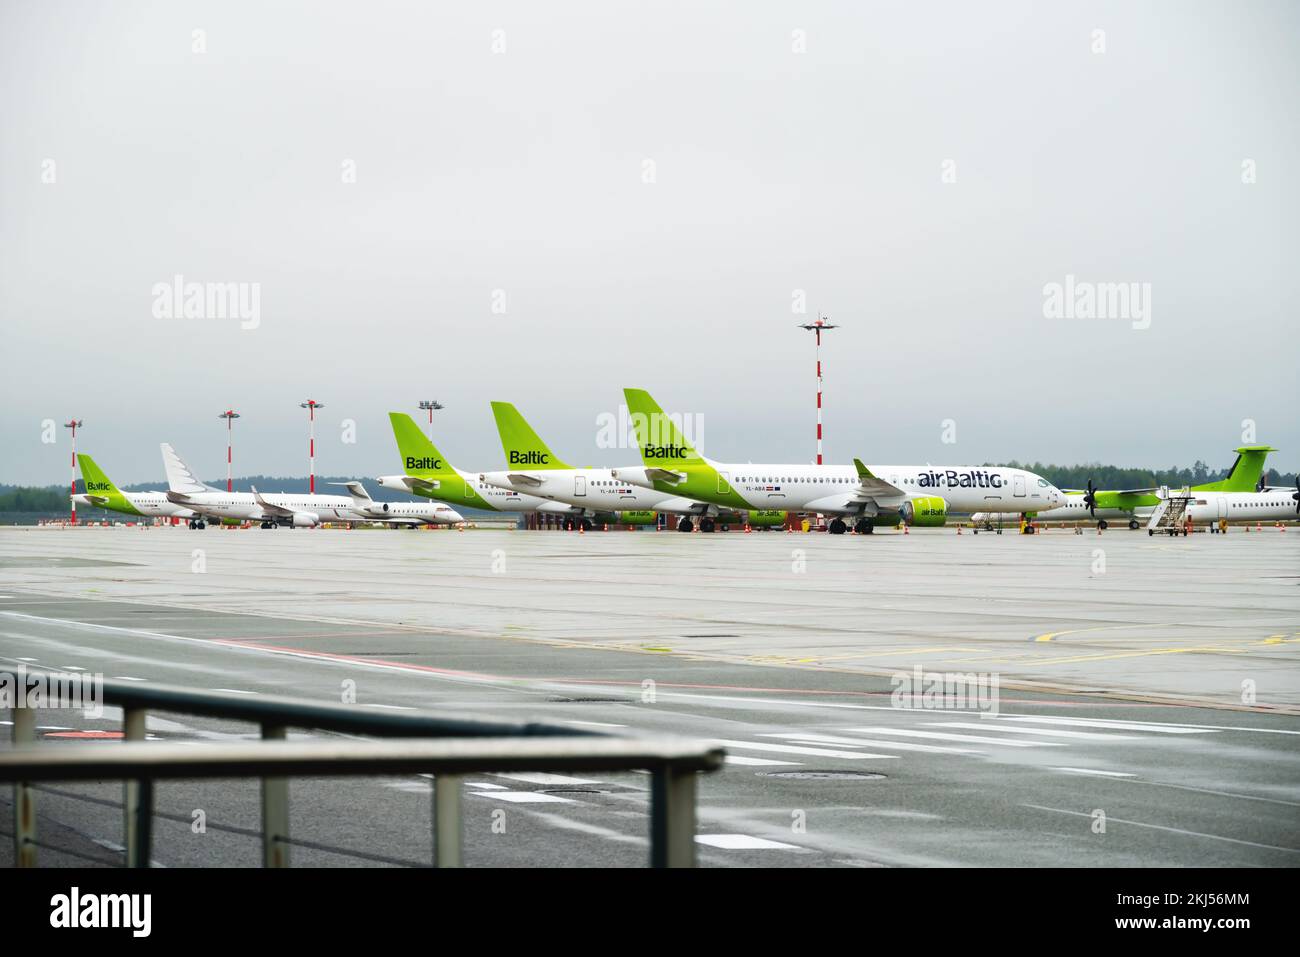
{"x":154,"y":504}
{"x":1074,"y":510}
{"x":592,"y":490}
{"x":314,"y":509}
{"x":1273,"y":505}
{"x":837,"y":489}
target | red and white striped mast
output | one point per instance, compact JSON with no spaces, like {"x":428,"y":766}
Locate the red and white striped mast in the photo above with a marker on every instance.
{"x":431,"y":405}
{"x":74,"y":425}
{"x":818,"y":327}
{"x":228,"y":415}
{"x":311,"y":405}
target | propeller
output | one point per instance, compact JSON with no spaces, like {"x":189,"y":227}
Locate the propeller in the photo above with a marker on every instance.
{"x":1262,"y":483}
{"x":1090,"y":499}
{"x":1296,"y":496}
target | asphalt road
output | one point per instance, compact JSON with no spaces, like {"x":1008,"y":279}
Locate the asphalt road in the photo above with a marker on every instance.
{"x":1156,"y":691}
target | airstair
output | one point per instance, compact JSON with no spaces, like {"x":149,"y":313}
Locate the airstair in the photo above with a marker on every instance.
{"x":1170,"y":516}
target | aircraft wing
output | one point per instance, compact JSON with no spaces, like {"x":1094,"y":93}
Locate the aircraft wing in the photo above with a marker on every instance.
{"x":97,"y":500}
{"x":268,"y":508}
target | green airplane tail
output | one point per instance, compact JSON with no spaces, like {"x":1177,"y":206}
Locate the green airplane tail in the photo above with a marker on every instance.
{"x":96,"y":482}
{"x":419,"y":456}
{"x":658,"y":436}
{"x":100,"y":488}
{"x":1245,"y":472}
{"x":521,"y":444}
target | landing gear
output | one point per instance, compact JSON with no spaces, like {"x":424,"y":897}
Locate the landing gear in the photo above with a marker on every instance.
{"x":685,"y":525}
{"x":568,"y":524}
{"x":1132,"y":524}
{"x":838,"y":527}
{"x":706,"y":524}
{"x":863,"y":526}
{"x":268,"y":524}
{"x":586,"y":525}
{"x":1102,"y":525}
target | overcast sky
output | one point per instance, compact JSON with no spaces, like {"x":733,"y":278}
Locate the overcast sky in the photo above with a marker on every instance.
{"x":645,"y":190}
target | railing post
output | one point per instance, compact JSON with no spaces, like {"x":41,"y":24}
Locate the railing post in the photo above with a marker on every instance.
{"x":672,"y":817}
{"x":275,"y":809}
{"x":447,"y":827}
{"x":24,"y":734}
{"x":133,"y":729}
{"x":138,"y":852}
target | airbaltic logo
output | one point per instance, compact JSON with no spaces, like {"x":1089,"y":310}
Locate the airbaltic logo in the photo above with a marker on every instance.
{"x":975,"y":478}
{"x":423,"y":465}
{"x":98,"y":487}
{"x":665,"y":452}
{"x":179,"y":299}
{"x":132,"y":911}
{"x":529,"y":458}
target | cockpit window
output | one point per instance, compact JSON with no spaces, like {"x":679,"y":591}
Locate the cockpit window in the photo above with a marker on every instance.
{"x":1043,"y":482}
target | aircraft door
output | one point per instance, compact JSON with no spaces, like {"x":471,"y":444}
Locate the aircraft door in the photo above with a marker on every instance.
{"x":1019,"y":486}
{"x":580,"y":485}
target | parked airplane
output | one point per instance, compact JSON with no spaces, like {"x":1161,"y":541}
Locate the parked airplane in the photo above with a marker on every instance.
{"x":1135,"y":505}
{"x":429,"y":474}
{"x":595,"y":492}
{"x":291,"y":510}
{"x":1276,"y":504}
{"x":881,"y":494}
{"x":102,"y":493}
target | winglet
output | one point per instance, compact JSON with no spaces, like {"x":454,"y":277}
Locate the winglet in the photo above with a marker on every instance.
{"x":863,"y":471}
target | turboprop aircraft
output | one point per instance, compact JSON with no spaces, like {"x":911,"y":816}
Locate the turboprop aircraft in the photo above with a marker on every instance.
{"x":1136,"y":505}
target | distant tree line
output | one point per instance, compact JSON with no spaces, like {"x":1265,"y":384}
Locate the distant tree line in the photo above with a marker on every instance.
{"x":18,"y":499}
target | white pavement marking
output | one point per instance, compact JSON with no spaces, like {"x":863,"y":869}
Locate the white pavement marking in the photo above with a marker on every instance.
{"x":537,"y":777}
{"x":234,"y":691}
{"x":595,"y":724}
{"x":1053,"y":732}
{"x":1117,"y":725}
{"x":793,"y":749}
{"x":30,"y":660}
{"x":1105,"y":774}
{"x":971,"y":738}
{"x":523,"y":797}
{"x":485,"y":786}
{"x":758,"y":762}
{"x":391,"y":707}
{"x":73,"y":668}
{"x":877,"y":743}
{"x":127,"y":678}
{"x":1161,"y":827}
{"x":743,"y":842}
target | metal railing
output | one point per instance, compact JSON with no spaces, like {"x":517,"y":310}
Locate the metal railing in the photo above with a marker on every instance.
{"x":443,"y":746}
